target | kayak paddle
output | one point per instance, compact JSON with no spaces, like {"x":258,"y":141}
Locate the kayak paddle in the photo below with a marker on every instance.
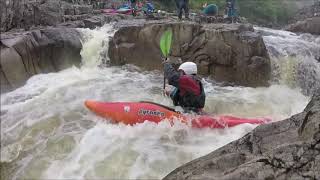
{"x":165,"y":46}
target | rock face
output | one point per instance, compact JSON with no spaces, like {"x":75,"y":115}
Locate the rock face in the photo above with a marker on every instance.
{"x":307,"y":20}
{"x":227,"y":52}
{"x":288,"y":149}
{"x":26,"y":14}
{"x":310,"y":25}
{"x":40,"y":51}
{"x":307,"y":12}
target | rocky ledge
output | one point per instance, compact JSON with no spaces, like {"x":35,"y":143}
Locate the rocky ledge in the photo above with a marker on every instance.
{"x":32,"y":14}
{"x":288,"y":149}
{"x":228,"y":52}
{"x":39,"y":51}
{"x":310,"y":25}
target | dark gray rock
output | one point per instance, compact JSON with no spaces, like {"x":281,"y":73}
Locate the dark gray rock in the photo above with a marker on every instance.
{"x":39,"y":51}
{"x":289,"y":149}
{"x":100,"y":20}
{"x":93,"y":22}
{"x":227,"y":52}
{"x":50,"y":13}
{"x":72,"y":24}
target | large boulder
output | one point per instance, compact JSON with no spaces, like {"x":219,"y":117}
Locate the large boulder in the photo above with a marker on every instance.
{"x":288,"y":149}
{"x":40,"y":51}
{"x":227,"y":52}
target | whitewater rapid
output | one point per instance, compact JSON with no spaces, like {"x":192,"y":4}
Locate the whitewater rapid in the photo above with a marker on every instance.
{"x":47,"y":133}
{"x":295,"y":58}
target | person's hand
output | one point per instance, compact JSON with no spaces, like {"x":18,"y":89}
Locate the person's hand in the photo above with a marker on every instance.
{"x":166,"y":92}
{"x":165,"y":60}
{"x":172,"y":61}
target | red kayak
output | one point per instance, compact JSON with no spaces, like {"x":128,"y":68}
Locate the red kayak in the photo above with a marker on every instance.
{"x":138,"y":112}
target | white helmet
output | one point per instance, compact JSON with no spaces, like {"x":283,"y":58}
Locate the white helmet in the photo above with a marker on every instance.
{"x":189,"y":68}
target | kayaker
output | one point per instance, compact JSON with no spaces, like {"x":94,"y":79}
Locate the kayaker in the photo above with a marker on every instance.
{"x":188,"y":92}
{"x":210,"y":10}
{"x":182,"y":5}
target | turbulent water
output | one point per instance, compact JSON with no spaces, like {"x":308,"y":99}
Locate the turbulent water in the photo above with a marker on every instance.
{"x":295,"y":58}
{"x":47,"y":133}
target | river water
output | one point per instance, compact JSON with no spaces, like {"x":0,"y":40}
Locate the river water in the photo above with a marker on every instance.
{"x":47,"y":133}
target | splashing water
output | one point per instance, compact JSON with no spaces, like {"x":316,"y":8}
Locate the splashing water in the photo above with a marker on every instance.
{"x":95,"y":45}
{"x":47,"y":133}
{"x":295,"y":58}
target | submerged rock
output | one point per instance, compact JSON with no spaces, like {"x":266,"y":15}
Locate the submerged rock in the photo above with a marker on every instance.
{"x":288,"y":149}
{"x":39,"y":51}
{"x":227,"y":52}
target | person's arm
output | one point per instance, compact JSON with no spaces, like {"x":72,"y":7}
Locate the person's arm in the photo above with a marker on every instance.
{"x":171,"y":74}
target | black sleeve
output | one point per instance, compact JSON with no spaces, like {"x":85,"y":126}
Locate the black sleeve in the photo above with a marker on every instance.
{"x":171,"y":74}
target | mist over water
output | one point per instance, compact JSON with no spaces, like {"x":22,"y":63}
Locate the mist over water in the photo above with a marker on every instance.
{"x":47,"y":133}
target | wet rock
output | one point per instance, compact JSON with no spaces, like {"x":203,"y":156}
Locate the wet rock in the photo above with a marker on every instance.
{"x":228,"y":52}
{"x":39,"y":51}
{"x":287,"y":149}
{"x":83,"y":9}
{"x":93,"y":22}
{"x":72,"y":24}
{"x":100,"y":20}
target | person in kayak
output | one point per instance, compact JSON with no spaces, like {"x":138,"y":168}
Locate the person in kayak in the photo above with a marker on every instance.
{"x":182,"y":5}
{"x":189,"y":92}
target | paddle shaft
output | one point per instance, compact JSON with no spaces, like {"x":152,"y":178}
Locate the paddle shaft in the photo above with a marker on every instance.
{"x":164,"y":80}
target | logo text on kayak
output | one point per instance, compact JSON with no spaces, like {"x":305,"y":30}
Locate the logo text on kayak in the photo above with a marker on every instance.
{"x":126,"y":109}
{"x":146,"y":112}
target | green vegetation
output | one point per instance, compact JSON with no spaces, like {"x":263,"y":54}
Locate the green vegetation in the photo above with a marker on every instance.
{"x":267,"y":11}
{"x":276,"y":12}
